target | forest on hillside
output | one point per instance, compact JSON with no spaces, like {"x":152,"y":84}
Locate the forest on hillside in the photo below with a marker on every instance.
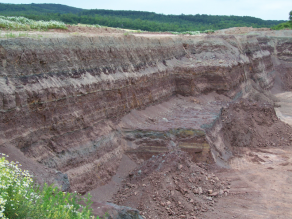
{"x":138,"y":20}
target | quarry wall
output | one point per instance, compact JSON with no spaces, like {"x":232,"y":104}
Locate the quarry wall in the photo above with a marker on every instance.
{"x":62,"y":98}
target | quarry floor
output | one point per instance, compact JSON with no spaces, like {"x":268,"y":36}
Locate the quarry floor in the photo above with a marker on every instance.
{"x":259,"y":179}
{"x":259,"y":188}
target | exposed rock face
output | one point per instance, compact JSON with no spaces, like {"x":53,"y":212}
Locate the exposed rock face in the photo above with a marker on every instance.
{"x":177,"y":123}
{"x":62,"y":98}
{"x":156,"y":142}
{"x":58,"y":94}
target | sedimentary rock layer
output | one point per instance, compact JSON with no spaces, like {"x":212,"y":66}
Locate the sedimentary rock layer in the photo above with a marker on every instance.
{"x":61,"y":98}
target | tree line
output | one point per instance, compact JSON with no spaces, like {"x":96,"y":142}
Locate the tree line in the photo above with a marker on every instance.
{"x":148,"y":21}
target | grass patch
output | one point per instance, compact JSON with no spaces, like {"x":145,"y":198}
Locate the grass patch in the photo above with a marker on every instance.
{"x":22,"y":23}
{"x":10,"y":35}
{"x":21,"y":198}
{"x":22,"y":34}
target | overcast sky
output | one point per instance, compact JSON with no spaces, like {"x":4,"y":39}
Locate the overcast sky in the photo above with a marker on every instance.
{"x":265,"y":9}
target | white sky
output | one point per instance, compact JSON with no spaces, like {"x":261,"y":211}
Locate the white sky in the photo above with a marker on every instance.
{"x":265,"y":9}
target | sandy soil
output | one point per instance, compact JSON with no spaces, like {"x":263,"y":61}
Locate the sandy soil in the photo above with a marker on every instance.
{"x":57,"y":33}
{"x":106,"y":192}
{"x":83,"y":30}
{"x":259,"y":188}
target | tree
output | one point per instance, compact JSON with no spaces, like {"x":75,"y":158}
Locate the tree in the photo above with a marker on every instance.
{"x":290,"y":17}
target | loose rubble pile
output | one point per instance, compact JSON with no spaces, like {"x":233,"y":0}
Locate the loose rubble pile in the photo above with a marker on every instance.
{"x":253,"y":124}
{"x":246,"y":124}
{"x":171,"y":186}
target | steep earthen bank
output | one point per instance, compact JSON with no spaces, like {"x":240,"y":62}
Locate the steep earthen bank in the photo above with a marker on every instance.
{"x":63,"y":98}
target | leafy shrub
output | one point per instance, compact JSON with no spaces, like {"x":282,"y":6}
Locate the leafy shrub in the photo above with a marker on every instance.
{"x":21,"y":198}
{"x":22,"y":23}
{"x":286,"y":25}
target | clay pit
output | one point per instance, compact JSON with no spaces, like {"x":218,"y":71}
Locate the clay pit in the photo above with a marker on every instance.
{"x":154,"y":125}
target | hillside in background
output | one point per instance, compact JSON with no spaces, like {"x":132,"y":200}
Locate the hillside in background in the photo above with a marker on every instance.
{"x":13,"y":9}
{"x":148,"y":21}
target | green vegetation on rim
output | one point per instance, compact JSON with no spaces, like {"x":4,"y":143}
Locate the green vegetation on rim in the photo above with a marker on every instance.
{"x":286,"y":25}
{"x":147,"y":21}
{"x":22,"y":23}
{"x":21,"y":198}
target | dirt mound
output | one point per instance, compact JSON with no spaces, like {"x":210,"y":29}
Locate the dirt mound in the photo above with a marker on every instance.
{"x":170,"y":185}
{"x":247,"y":124}
{"x":254,"y":124}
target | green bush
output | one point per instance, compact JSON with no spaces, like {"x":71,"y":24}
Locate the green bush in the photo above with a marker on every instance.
{"x":21,"y":198}
{"x":286,"y":25}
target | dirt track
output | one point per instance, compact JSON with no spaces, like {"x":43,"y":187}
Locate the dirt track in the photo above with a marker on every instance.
{"x":260,"y":188}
